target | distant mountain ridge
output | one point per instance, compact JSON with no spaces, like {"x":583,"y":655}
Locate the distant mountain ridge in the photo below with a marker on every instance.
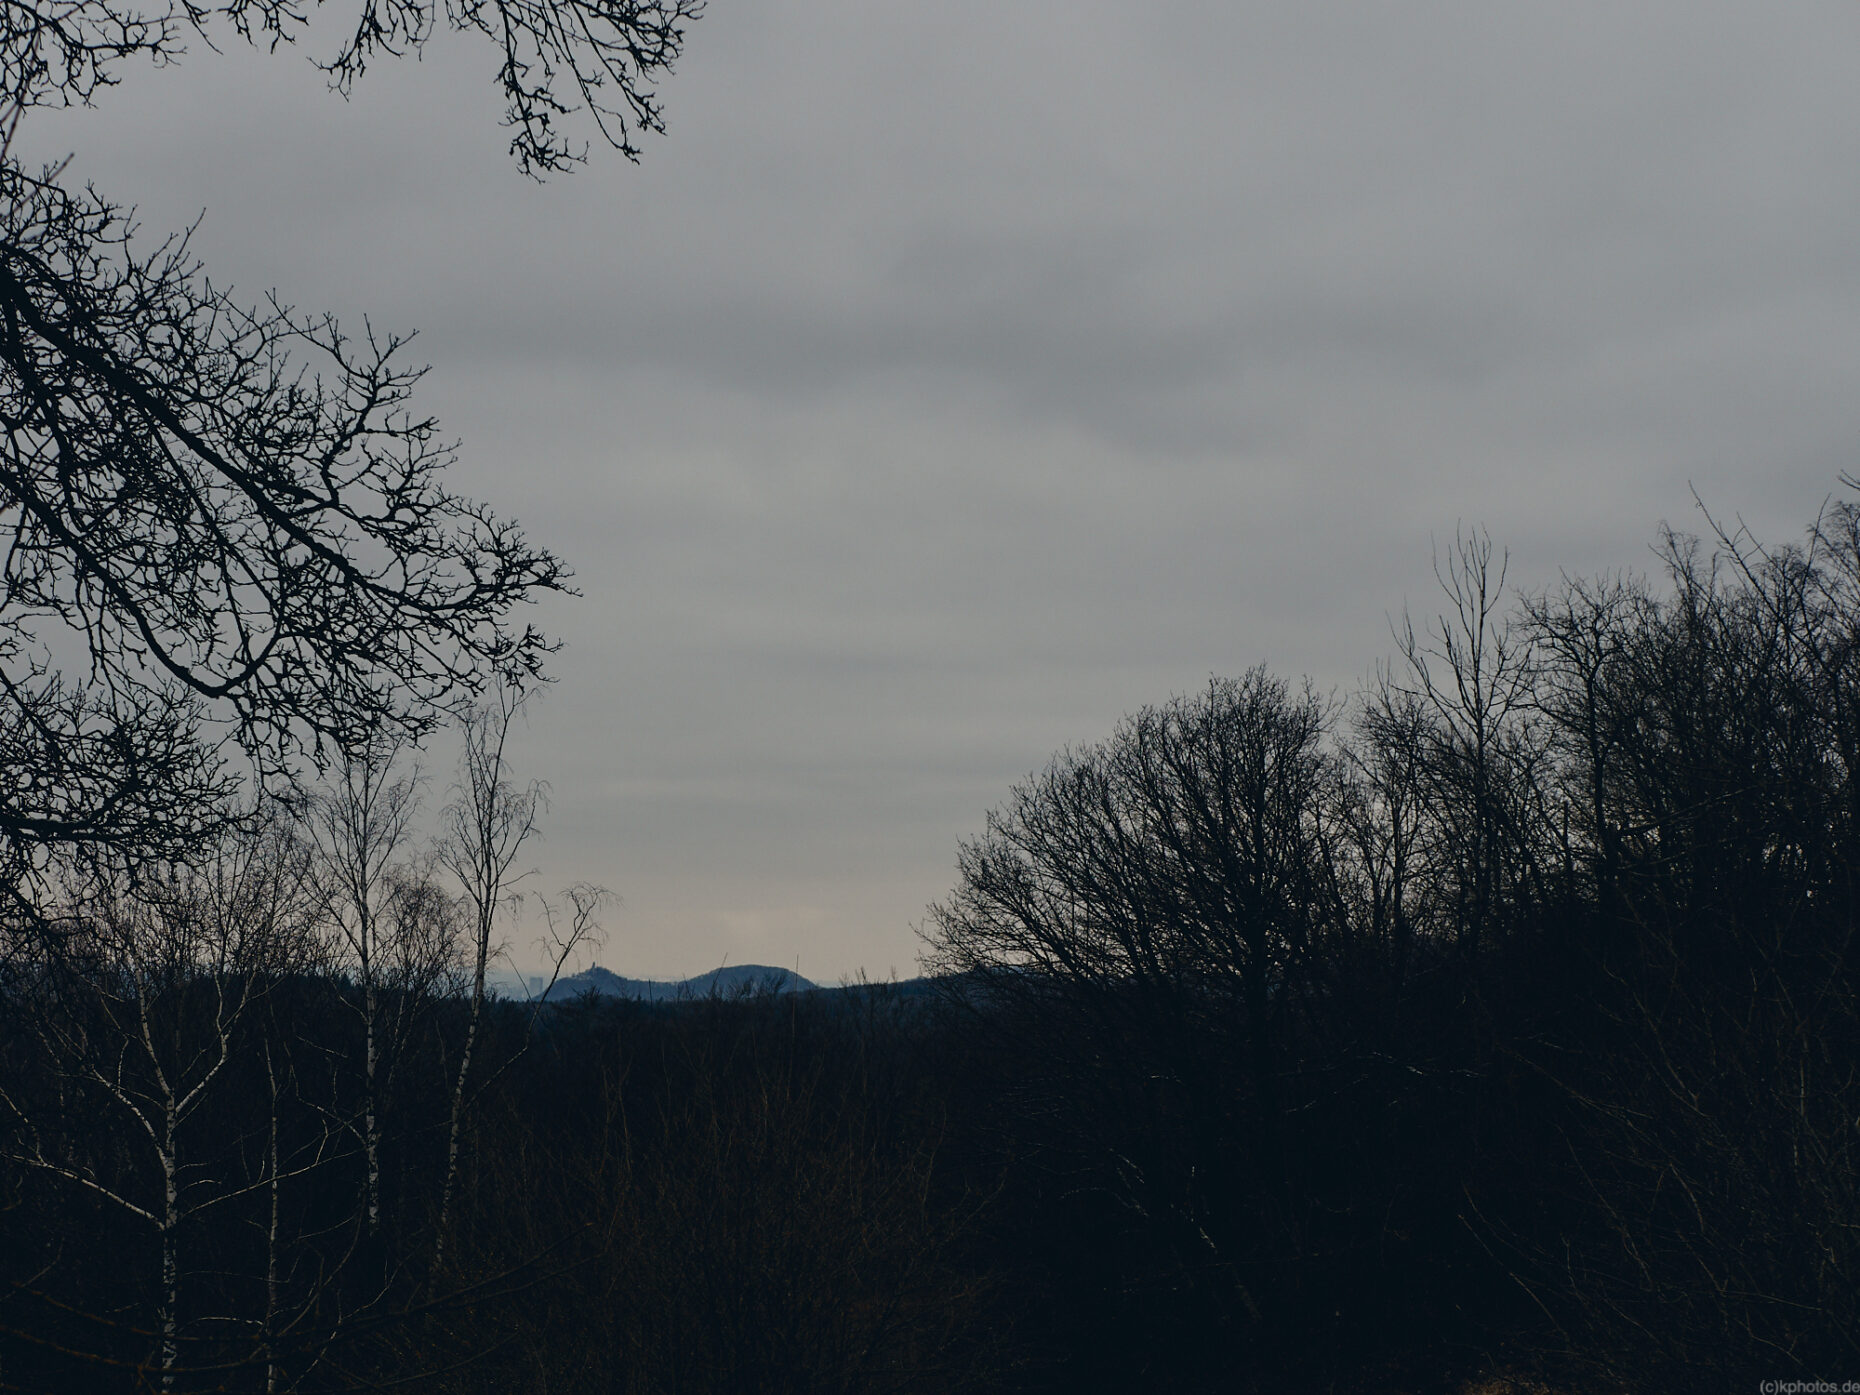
{"x":726,"y":982}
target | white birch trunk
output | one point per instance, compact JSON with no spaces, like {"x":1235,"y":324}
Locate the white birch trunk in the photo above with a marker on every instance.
{"x":371,"y":1124}
{"x":170,"y":1260}
{"x":271,"y":1237}
{"x":458,"y":1115}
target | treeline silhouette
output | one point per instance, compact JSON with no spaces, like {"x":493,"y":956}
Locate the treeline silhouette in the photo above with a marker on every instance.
{"x":1499,"y":1020}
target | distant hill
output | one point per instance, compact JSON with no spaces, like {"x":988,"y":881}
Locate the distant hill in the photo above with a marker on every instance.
{"x":725,"y":982}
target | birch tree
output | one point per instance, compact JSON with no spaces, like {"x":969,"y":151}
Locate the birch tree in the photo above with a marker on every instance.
{"x":488,"y":822}
{"x":138,"y":1025}
{"x":361,"y":823}
{"x":486,"y":826}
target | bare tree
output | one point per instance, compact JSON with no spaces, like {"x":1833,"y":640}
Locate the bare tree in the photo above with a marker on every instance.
{"x":557,"y":57}
{"x":137,"y":1025}
{"x":487,"y":823}
{"x":1471,"y":674}
{"x":231,"y":520}
{"x":1152,"y":901}
{"x":361,"y":824}
{"x":571,"y":924}
{"x":1382,"y":804}
{"x":234,"y":514}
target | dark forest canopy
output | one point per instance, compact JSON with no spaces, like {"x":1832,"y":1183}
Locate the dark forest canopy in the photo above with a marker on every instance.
{"x":1500,"y":1019}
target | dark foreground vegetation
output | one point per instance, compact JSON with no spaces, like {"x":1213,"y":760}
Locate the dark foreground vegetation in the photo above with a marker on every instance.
{"x":1499,"y":1020}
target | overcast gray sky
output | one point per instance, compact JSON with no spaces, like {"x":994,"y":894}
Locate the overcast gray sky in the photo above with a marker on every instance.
{"x":954,"y":378}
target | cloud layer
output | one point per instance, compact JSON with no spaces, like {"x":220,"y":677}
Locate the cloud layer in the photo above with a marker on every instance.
{"x":954,"y":378}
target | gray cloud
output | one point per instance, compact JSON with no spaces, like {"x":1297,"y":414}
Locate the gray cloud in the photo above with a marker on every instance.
{"x":954,"y":378}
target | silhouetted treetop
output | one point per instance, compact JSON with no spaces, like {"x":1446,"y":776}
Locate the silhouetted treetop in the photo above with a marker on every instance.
{"x":558,"y":57}
{"x":226,"y":506}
